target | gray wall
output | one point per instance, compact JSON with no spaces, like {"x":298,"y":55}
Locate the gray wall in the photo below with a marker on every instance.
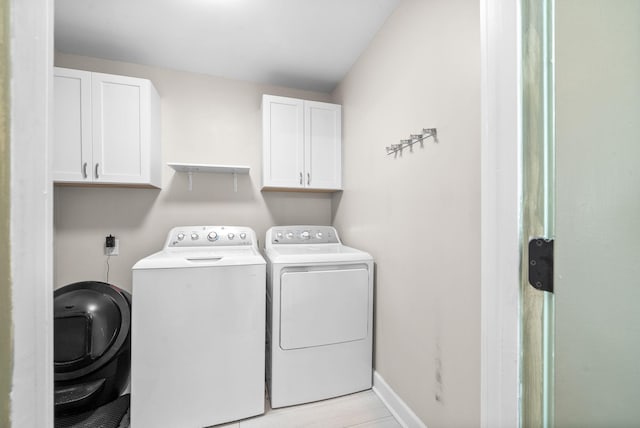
{"x":204,"y":120}
{"x":419,"y":214}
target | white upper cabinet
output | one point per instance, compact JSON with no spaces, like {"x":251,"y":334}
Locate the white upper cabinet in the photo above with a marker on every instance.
{"x":302,"y":144}
{"x":106,"y":129}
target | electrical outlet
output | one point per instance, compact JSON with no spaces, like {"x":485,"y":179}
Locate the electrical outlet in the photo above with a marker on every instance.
{"x":113,"y":251}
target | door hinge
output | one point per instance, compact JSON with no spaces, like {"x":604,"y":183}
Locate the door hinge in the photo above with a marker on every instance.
{"x":541,"y":264}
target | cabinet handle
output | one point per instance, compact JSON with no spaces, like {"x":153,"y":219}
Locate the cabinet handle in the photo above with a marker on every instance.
{"x":97,"y":176}
{"x":300,"y":178}
{"x":308,"y":178}
{"x":84,"y":170}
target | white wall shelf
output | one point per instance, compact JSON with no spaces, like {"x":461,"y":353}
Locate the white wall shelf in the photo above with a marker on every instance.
{"x":191,"y":168}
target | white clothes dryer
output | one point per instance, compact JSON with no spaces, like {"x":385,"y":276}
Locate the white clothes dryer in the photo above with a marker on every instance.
{"x":198,"y":330}
{"x":319,"y":315}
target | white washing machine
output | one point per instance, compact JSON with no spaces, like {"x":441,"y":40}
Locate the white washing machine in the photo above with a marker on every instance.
{"x":198,"y":330}
{"x":319,"y":315}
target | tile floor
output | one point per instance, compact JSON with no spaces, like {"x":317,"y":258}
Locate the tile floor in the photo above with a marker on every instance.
{"x":361,"y":410}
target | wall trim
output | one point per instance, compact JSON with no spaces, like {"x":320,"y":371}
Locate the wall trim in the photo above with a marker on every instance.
{"x":501,"y":184}
{"x":6,"y":344}
{"x":31,"y":215}
{"x":398,"y":408}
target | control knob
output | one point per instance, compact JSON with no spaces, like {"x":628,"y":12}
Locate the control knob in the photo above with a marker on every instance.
{"x":290,"y":235}
{"x":212,"y":236}
{"x":243,"y":235}
{"x":319,"y":235}
{"x":305,"y":235}
{"x":180,"y":236}
{"x":194,"y":236}
{"x":231,"y":236}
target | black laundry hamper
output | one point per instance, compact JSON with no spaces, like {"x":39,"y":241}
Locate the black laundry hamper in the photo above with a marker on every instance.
{"x":92,"y":355}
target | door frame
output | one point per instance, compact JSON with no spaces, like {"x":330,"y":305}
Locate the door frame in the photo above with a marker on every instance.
{"x":32,"y":61}
{"x":501,"y":208}
{"x":31,"y":214}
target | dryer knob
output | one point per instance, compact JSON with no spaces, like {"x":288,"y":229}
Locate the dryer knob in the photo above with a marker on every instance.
{"x":243,"y":235}
{"x":319,"y":235}
{"x":180,"y":236}
{"x":305,"y":235}
{"x":194,"y":236}
{"x":212,"y":236}
{"x":231,"y":236}
{"x":290,"y":235}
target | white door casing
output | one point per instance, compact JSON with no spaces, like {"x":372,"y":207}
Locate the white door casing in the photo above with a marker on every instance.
{"x":501,"y":172}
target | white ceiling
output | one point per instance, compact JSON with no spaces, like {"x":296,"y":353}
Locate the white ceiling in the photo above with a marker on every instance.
{"x":306,"y":44}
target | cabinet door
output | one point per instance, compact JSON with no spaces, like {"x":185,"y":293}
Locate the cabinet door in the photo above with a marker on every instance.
{"x":121,"y":137}
{"x":323,"y":145}
{"x":283,"y":135}
{"x":72,"y":126}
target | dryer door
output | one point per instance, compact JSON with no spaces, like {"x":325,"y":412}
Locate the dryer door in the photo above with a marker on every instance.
{"x":323,"y":307}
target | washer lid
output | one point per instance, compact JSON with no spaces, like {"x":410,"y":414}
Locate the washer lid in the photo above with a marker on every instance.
{"x":315,"y":253}
{"x":170,"y":258}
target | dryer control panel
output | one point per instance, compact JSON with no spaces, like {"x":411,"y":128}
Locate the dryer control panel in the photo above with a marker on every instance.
{"x":303,"y":235}
{"x":210,"y":236}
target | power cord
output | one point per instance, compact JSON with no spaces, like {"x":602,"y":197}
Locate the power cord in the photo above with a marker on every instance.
{"x":108,"y":257}
{"x":109,"y":243}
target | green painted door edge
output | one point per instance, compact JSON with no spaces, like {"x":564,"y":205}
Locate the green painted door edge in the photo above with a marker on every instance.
{"x":6,"y":342}
{"x":536,"y":307}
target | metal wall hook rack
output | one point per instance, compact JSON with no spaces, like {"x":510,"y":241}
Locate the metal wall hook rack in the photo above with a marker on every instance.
{"x":413,"y":138}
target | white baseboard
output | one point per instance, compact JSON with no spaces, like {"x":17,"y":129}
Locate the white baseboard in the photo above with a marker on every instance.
{"x":398,"y":408}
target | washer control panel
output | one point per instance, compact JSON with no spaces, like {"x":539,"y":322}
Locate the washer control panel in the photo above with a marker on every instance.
{"x":210,"y":236}
{"x":303,"y":235}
